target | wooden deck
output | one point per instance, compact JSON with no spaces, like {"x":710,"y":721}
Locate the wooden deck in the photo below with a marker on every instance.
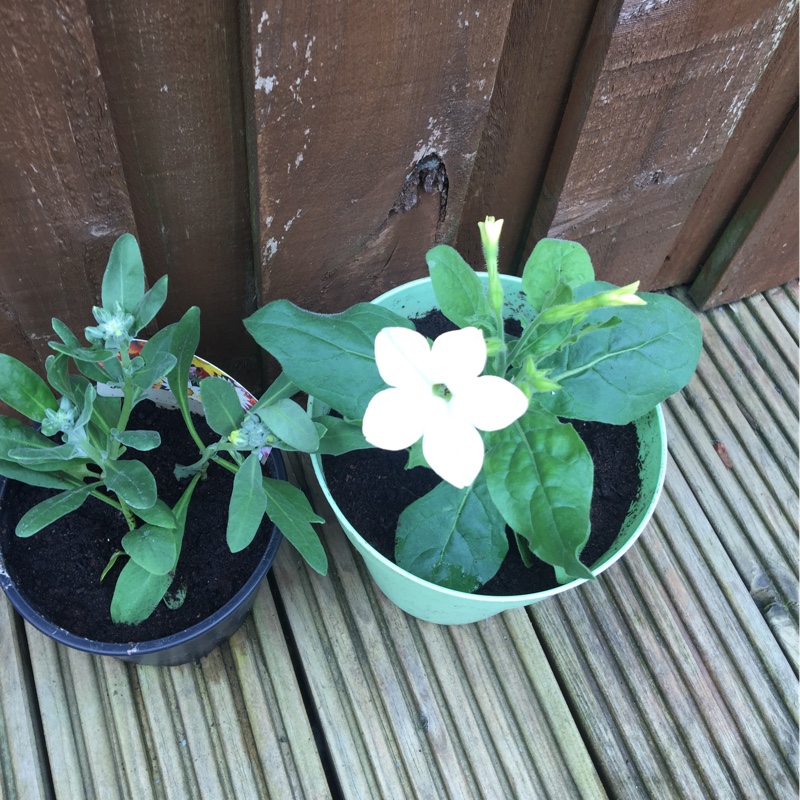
{"x":673,"y":676}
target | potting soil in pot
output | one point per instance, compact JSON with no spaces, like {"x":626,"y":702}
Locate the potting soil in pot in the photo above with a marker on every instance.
{"x":61,"y":565}
{"x":372,"y":488}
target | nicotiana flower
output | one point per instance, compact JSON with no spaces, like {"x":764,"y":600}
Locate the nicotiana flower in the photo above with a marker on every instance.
{"x":438,"y":394}
{"x":112,"y":330}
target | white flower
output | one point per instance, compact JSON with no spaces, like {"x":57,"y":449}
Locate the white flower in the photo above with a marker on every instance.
{"x":438,"y":394}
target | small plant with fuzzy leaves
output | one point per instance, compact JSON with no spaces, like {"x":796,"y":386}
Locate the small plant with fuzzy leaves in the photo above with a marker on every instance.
{"x":94,"y":433}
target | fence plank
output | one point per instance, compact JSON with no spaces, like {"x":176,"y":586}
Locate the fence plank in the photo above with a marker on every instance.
{"x":356,"y":106}
{"x":763,"y":231}
{"x":62,"y":196}
{"x":673,"y":88}
{"x":180,"y":126}
{"x":764,"y":118}
{"x":533,"y":82}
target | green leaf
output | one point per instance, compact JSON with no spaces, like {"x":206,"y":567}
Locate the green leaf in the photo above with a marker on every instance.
{"x":328,"y":356}
{"x":137,"y":594}
{"x":452,"y":537}
{"x":540,"y":477}
{"x":221,"y":405}
{"x":123,"y":280}
{"x":150,"y":304}
{"x":157,"y":366}
{"x":93,"y":371}
{"x":554,"y":262}
{"x":48,"y":511}
{"x":617,"y":374}
{"x":288,"y":508}
{"x":159,"y":515}
{"x":138,"y":440}
{"x":281,"y":387}
{"x":81,"y":354}
{"x":290,"y":423}
{"x":183,"y":345}
{"x":132,"y":482}
{"x":152,"y":548}
{"x":416,"y":458}
{"x":23,"y":390}
{"x":113,"y":370}
{"x":58,"y":455}
{"x":459,"y":291}
{"x":247,"y":505}
{"x":107,"y":411}
{"x":58,"y":374}
{"x":340,"y":436}
{"x":47,"y":480}
{"x":67,"y":336}
{"x":15,"y":434}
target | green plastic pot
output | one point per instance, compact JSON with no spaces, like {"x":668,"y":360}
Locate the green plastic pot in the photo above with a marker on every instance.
{"x":433,"y":603}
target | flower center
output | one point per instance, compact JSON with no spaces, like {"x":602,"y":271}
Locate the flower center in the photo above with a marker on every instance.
{"x":440,"y":390}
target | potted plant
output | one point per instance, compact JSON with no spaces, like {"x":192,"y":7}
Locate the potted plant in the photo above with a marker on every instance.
{"x":490,"y":409}
{"x":89,"y":400}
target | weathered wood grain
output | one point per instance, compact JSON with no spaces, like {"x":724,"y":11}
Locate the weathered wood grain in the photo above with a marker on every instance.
{"x":63,"y":199}
{"x":764,"y":117}
{"x":232,"y":725}
{"x":411,"y":709}
{"x":367,"y":119}
{"x":759,"y":247}
{"x":675,"y":82}
{"x":23,"y":760}
{"x":173,"y":77}
{"x":533,"y":82}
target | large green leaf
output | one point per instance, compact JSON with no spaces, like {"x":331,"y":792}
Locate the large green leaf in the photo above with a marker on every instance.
{"x":452,"y":537}
{"x":340,"y":436}
{"x":221,"y":405}
{"x":48,"y":511}
{"x":57,"y":370}
{"x":132,"y":482}
{"x":617,"y":374}
{"x":540,"y":477}
{"x":152,"y":548}
{"x":58,"y":455}
{"x":459,"y":291}
{"x":328,"y":356}
{"x":23,"y":390}
{"x":123,"y":280}
{"x":137,"y":593}
{"x":554,"y":262}
{"x":291,"y":424}
{"x":288,"y":508}
{"x":247,"y":504}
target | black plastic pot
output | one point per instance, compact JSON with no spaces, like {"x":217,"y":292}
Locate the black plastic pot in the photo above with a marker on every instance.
{"x":179,"y":648}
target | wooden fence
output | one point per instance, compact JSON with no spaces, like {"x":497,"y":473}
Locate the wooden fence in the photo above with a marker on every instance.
{"x":315,"y":151}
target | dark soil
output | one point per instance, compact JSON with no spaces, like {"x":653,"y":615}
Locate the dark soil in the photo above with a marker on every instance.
{"x":61,"y":565}
{"x":372,"y":488}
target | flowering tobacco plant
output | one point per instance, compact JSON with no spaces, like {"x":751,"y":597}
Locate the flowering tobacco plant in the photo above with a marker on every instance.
{"x":93,"y":427}
{"x":484,"y":409}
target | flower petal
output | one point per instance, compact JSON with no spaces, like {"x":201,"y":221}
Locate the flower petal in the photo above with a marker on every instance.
{"x":396,"y":418}
{"x":489,"y":403}
{"x":403,"y":357}
{"x":453,"y":449}
{"x":458,"y":356}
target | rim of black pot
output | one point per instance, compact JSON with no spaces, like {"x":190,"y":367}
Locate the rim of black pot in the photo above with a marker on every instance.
{"x":150,"y":646}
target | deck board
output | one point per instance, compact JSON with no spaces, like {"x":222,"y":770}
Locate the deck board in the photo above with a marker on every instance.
{"x":672,"y":676}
